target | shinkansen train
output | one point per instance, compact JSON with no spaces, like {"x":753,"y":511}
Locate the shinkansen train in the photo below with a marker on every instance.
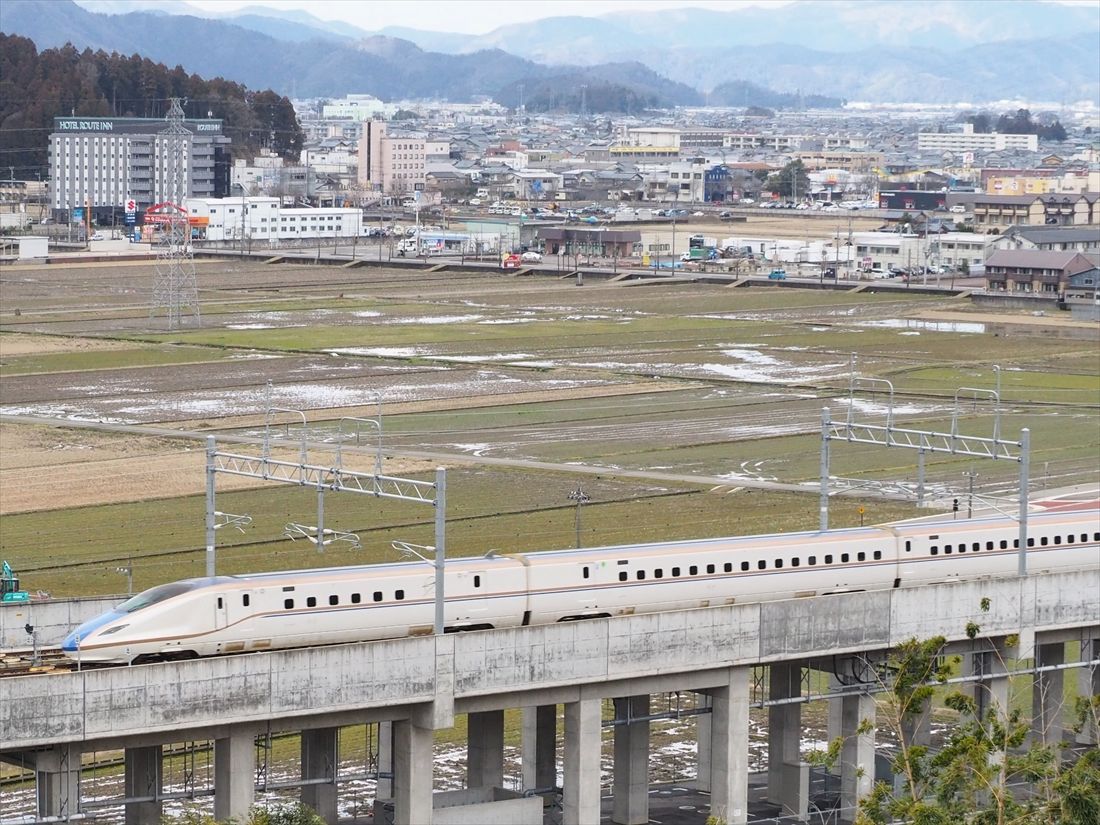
{"x":297,"y":608}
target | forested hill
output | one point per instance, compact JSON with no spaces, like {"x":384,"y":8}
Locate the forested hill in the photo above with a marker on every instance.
{"x":37,"y":86}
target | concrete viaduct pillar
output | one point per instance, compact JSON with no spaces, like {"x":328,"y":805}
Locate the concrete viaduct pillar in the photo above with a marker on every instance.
{"x":991,"y":690}
{"x":703,"y":745}
{"x":729,"y":751}
{"x":57,"y":772}
{"x":485,"y":749}
{"x":581,"y":763}
{"x":1089,"y":685}
{"x":788,"y":776}
{"x":319,"y":761}
{"x":144,"y":778}
{"x":631,"y":769}
{"x":384,"y":786}
{"x":1046,"y":694}
{"x":540,"y":735}
{"x":234,"y":775}
{"x":857,"y":756}
{"x":412,"y":773}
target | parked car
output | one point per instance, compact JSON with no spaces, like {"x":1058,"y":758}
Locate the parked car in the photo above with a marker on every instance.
{"x":97,"y":236}
{"x":475,"y":201}
{"x":531,"y":258}
{"x":777,"y":275}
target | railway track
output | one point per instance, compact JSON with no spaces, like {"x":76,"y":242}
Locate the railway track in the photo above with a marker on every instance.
{"x":27,"y":662}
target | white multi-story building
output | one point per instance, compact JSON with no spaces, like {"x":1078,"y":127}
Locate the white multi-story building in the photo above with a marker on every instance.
{"x":262,"y":219}
{"x":357,"y":107}
{"x":970,"y":141}
{"x":104,"y":161}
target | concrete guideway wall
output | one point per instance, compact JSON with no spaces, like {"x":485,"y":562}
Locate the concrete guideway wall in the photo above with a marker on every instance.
{"x":522,"y":666}
{"x":51,"y":619}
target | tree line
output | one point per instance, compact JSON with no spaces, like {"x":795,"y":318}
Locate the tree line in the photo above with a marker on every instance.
{"x":1019,"y":122}
{"x":36,"y":87}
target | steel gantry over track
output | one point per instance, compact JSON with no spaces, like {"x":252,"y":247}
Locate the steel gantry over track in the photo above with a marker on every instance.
{"x":335,"y":478}
{"x":928,"y":441}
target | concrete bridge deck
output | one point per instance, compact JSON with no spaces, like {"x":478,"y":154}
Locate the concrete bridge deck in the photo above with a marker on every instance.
{"x":420,"y":684}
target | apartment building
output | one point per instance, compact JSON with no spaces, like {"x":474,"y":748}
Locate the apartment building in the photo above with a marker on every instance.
{"x":970,"y":141}
{"x":104,"y":161}
{"x":396,"y":164}
{"x":646,"y":143}
{"x":1033,"y":270}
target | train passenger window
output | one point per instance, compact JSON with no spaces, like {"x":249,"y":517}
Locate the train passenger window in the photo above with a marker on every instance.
{"x":976,"y":546}
{"x":1031,"y":542}
{"x":761,"y":565}
{"x":1084,"y":537}
{"x":935,"y":551}
{"x":355,"y":598}
{"x":812,"y":561}
{"x":658,"y":573}
{"x":641,"y":575}
{"x":962,"y":548}
{"x":1057,"y":539}
{"x":623,"y":575}
{"x":477,"y":579}
{"x":377,"y":595}
{"x":861,"y":556}
{"x":947,"y":548}
{"x":334,"y":600}
{"x":675,"y":572}
{"x":727,"y":567}
{"x":399,"y":594}
{"x":829,"y":558}
{"x":1043,"y":541}
{"x":878,"y":555}
{"x":794,"y":562}
{"x":693,"y":570}
{"x":584,"y":573}
{"x":1096,"y":536}
{"x":710,"y":568}
{"x":221,"y":603}
{"x":778,"y":563}
{"x":246,"y":600}
{"x":843,"y":558}
{"x":989,"y":545}
{"x":288,"y":604}
{"x":1004,"y":544}
{"x":1015,"y":544}
{"x":311,"y":601}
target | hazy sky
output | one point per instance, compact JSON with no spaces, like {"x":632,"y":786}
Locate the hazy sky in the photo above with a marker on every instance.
{"x":475,"y":16}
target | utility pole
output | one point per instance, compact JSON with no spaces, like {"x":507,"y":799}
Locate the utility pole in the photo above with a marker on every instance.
{"x":580,"y":497}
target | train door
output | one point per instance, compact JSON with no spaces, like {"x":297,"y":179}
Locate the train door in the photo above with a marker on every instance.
{"x":221,"y":611}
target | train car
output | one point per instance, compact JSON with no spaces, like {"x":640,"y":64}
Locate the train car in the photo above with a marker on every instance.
{"x":268,"y":611}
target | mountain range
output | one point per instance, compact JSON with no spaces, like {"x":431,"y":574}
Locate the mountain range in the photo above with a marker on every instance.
{"x":872,"y":50}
